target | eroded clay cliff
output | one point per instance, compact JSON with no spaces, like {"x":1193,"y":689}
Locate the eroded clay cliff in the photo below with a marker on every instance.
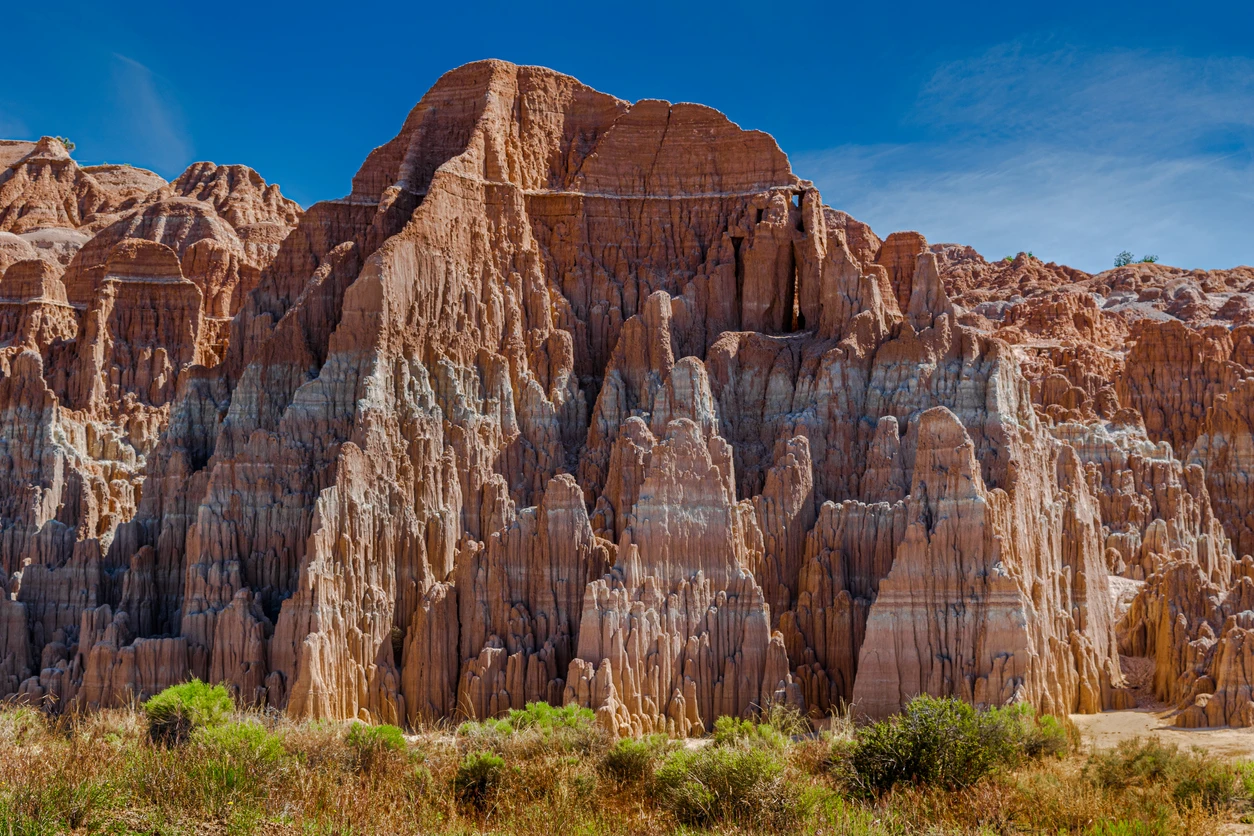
{"x":578,"y":400}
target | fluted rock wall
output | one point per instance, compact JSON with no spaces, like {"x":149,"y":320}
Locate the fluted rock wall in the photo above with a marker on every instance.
{"x":580,"y":400}
{"x":1225,"y":450}
{"x":1143,"y":371}
{"x":116,"y":297}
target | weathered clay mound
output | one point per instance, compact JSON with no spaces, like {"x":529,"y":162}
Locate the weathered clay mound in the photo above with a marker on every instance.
{"x":579,"y":400}
{"x":14,"y":248}
{"x":971,"y":280}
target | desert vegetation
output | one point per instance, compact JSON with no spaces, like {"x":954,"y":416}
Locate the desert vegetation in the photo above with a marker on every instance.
{"x":187,"y":762}
{"x":1126,"y":257}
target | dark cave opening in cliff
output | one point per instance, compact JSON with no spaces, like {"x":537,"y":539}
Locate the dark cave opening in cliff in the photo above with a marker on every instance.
{"x":740,"y":277}
{"x":793,"y":320}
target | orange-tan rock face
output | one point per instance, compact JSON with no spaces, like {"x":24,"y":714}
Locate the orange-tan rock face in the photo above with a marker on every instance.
{"x":1144,"y":370}
{"x":90,"y":371}
{"x":34,"y":311}
{"x":578,"y":400}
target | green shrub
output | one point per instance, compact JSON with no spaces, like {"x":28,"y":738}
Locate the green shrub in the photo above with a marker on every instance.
{"x":476,"y":728}
{"x":1211,"y":783}
{"x":838,"y":760}
{"x":177,"y":711}
{"x":1048,"y":736}
{"x":374,"y":746}
{"x":776,"y":726}
{"x":1190,"y":777}
{"x":1245,"y":771}
{"x":1149,"y":259}
{"x":1124,"y":259}
{"x":233,"y":761}
{"x":732,"y":731}
{"x":247,"y":739}
{"x":945,"y":742}
{"x":1135,"y":762}
{"x":633,"y":761}
{"x":539,"y":725}
{"x":1011,"y":734}
{"x":478,"y":777}
{"x":541,"y":715}
{"x":740,"y":785}
{"x":537,"y":715}
{"x":422,"y":778}
{"x":787,"y":720}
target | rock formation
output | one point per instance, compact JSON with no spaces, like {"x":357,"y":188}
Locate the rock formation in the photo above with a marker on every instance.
{"x":578,"y":400}
{"x":1142,"y":370}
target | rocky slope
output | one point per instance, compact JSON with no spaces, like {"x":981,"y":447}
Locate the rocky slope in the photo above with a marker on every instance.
{"x":578,"y":400}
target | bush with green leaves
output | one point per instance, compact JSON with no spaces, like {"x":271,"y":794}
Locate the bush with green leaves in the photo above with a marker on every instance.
{"x":733,"y":731}
{"x":1126,"y":257}
{"x":632,"y":761}
{"x":569,"y":728}
{"x":247,"y":739}
{"x":745,"y":785}
{"x":541,"y":715}
{"x":179,"y":710}
{"x":374,"y":746}
{"x":1046,"y":735}
{"x":1190,"y":777}
{"x":775,"y":727}
{"x":19,"y":724}
{"x":948,"y":743}
{"x":69,"y":146}
{"x":537,"y":715}
{"x":478,"y":777}
{"x":233,"y":759}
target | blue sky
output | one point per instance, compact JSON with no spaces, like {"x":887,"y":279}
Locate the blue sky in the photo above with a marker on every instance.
{"x":1074,"y":130}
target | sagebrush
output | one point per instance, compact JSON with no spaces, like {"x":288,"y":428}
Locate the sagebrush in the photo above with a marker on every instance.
{"x":543,"y":769}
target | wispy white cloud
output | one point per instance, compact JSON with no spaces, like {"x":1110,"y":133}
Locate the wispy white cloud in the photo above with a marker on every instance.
{"x":150,"y":116}
{"x":1137,"y":97}
{"x":1072,"y":155}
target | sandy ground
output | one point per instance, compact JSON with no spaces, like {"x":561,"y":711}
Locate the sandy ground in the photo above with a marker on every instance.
{"x":1108,"y":728}
{"x":1153,"y":719}
{"x":1105,"y":730}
